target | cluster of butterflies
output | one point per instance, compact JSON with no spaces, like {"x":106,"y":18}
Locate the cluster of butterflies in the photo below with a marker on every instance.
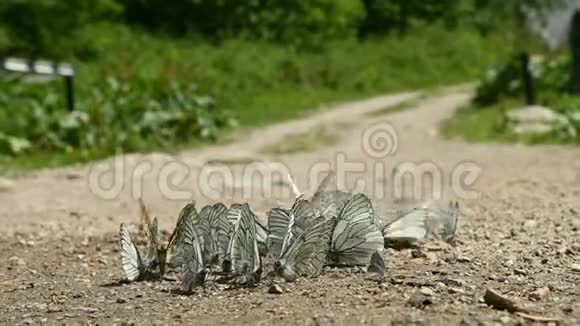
{"x":232,"y":244}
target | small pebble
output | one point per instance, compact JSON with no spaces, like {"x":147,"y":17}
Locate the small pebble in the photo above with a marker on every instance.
{"x":463,"y":259}
{"x":121,"y":300}
{"x":576,"y":268}
{"x":568,"y":309}
{"x":440,"y":286}
{"x":520,"y":272}
{"x":53,"y":308}
{"x":505,"y":319}
{"x":540,"y":293}
{"x":427,"y":291}
{"x":453,"y":290}
{"x":276,"y":289}
{"x":16,"y":261}
{"x":530,"y":224}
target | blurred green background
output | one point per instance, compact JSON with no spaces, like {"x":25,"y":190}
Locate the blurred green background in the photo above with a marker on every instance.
{"x":161,"y":75}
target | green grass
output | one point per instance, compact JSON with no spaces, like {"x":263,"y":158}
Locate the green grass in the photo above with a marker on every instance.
{"x":486,"y":124}
{"x":262,"y":83}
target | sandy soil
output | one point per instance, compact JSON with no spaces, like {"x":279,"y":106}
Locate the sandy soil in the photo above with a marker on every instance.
{"x":519,"y":231}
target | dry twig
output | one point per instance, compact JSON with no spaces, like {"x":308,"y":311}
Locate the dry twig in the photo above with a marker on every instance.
{"x":502,"y":302}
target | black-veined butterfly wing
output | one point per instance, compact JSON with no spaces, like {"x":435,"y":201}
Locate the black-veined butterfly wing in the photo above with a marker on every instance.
{"x":174,"y":247}
{"x":278,"y":221}
{"x":304,"y":256}
{"x":376,"y":268}
{"x":220,"y":230}
{"x":234,"y":213}
{"x":233,"y":216}
{"x":243,"y":241}
{"x":331,"y":203}
{"x":194,"y":268}
{"x":408,"y":230}
{"x":208,"y":227}
{"x":130,"y":257}
{"x":355,"y":236}
{"x":254,"y":270}
{"x":323,"y":230}
{"x":261,"y":234}
{"x":305,"y":214}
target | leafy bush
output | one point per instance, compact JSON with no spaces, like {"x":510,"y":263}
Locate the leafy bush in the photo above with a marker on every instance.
{"x":550,"y":76}
{"x":296,"y":21}
{"x":111,"y":116}
{"x":137,"y":95}
{"x":51,"y":28}
{"x":505,"y":80}
{"x":399,"y":15}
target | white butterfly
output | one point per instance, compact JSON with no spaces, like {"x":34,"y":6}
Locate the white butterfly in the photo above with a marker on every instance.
{"x":376,"y":269}
{"x":130,"y":256}
{"x":280,"y":223}
{"x":261,"y":235}
{"x":175,"y":246}
{"x":305,"y":254}
{"x":135,"y":266}
{"x":243,"y":256}
{"x":329,"y":202}
{"x":212,"y":221}
{"x":417,"y":225}
{"x":284,"y":224}
{"x":356,"y":236}
{"x":408,"y":230}
{"x":195,"y":272}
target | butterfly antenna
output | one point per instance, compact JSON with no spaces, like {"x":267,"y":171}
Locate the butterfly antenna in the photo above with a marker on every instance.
{"x":293,"y":186}
{"x":145,"y":215}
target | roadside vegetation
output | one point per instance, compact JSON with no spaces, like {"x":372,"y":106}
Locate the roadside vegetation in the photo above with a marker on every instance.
{"x":153,"y":77}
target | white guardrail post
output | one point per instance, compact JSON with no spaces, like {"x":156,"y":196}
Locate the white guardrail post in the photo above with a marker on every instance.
{"x":41,"y":67}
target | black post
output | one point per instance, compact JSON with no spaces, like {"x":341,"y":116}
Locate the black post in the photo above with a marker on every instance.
{"x":574,"y":42}
{"x":529,"y":91}
{"x":70,"y":99}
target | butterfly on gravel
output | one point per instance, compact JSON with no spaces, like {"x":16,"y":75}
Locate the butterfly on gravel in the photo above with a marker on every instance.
{"x":138,"y":267}
{"x":329,"y":202}
{"x":213,"y":228}
{"x":355,"y":236}
{"x":284,"y":224}
{"x":304,"y":254}
{"x":417,"y":225}
{"x":243,"y":257}
{"x":448,"y":222}
{"x":408,"y":230}
{"x":376,"y":269}
{"x":194,"y":269}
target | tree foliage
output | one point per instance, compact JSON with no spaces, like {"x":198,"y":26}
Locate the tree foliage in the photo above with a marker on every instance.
{"x":47,"y":27}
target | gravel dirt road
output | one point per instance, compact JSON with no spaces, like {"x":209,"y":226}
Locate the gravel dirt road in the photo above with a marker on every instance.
{"x":519,"y":231}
